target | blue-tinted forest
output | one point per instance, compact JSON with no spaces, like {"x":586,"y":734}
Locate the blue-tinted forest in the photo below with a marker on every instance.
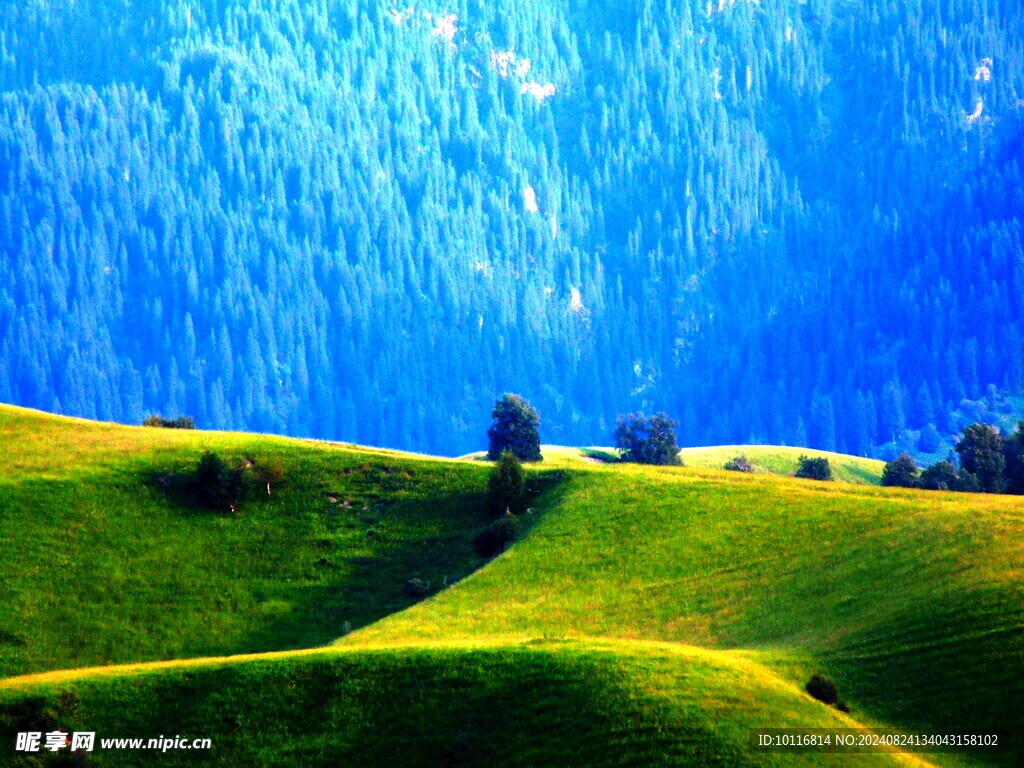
{"x":780,"y":221}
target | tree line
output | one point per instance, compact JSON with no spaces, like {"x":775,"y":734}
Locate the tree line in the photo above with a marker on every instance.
{"x":989,"y":462}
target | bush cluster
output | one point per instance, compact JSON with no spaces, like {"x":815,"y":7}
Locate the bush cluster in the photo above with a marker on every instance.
{"x":506,"y":498}
{"x":416,"y":588}
{"x":516,"y":428}
{"x":814,"y":469}
{"x":156,"y":420}
{"x":739,"y":464}
{"x":506,"y":486}
{"x":222,"y":485}
{"x":647,"y":439}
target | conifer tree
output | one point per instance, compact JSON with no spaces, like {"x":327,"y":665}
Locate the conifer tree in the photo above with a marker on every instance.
{"x":516,"y":428}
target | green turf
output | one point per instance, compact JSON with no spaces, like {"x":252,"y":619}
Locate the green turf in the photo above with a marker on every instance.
{"x":912,"y":601}
{"x":536,"y":704}
{"x":766,"y":459}
{"x":582,"y":645}
{"x":782,"y":460}
{"x":100,"y":566}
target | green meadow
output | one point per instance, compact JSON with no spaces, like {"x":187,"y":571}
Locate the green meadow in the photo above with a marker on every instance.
{"x":646,"y":616}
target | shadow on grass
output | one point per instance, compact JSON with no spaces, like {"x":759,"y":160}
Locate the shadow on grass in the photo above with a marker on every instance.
{"x":409,"y":708}
{"x":955,"y":667}
{"x":360,"y":587}
{"x":608,"y":457}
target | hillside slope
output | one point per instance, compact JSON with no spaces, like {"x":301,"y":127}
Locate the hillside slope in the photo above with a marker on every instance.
{"x":100,"y":565}
{"x":767,"y":459}
{"x":649,"y":616}
{"x":592,"y":704}
{"x":912,"y":601}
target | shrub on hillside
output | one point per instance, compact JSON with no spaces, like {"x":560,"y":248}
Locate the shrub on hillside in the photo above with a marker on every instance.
{"x":647,"y":440}
{"x":494,"y":539}
{"x":268,"y":472}
{"x":218,"y":485}
{"x":506,"y":486}
{"x":825,"y":691}
{"x":940,"y":476}
{"x":814,"y":469}
{"x":901,"y":472}
{"x":416,"y":588}
{"x":156,"y":420}
{"x":222,"y":485}
{"x":739,"y":464}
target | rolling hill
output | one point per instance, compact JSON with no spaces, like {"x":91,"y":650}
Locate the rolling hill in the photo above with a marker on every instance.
{"x":766,"y":459}
{"x":101,"y":565}
{"x":649,"y":616}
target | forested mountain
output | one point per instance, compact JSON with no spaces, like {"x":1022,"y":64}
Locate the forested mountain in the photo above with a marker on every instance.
{"x":781,"y":221}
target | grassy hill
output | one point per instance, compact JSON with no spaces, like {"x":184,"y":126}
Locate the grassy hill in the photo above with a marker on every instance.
{"x":650,"y":616}
{"x":785,"y":460}
{"x":766,"y":459}
{"x":912,"y":601}
{"x":101,"y":566}
{"x":598,"y":703}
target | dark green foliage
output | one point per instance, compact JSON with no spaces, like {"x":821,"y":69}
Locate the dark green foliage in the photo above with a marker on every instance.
{"x":268,"y":472}
{"x":739,"y":464}
{"x":823,"y":689}
{"x":218,"y":485}
{"x":940,"y":476}
{"x":506,"y":485}
{"x":496,"y":537}
{"x":156,"y":420}
{"x":647,"y":439}
{"x":814,"y":469}
{"x":981,"y":455}
{"x":223,"y":485}
{"x":968,"y":482}
{"x":416,"y":588}
{"x":516,"y":428}
{"x":901,"y":472}
{"x":1013,"y":455}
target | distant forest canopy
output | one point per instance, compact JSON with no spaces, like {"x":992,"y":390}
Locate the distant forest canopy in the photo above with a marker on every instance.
{"x":779,"y":221}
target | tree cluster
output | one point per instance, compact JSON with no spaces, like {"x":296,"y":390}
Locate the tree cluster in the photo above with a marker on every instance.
{"x":506,"y":499}
{"x":739,"y":464}
{"x":647,"y":439}
{"x":516,"y":430}
{"x":989,"y":463}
